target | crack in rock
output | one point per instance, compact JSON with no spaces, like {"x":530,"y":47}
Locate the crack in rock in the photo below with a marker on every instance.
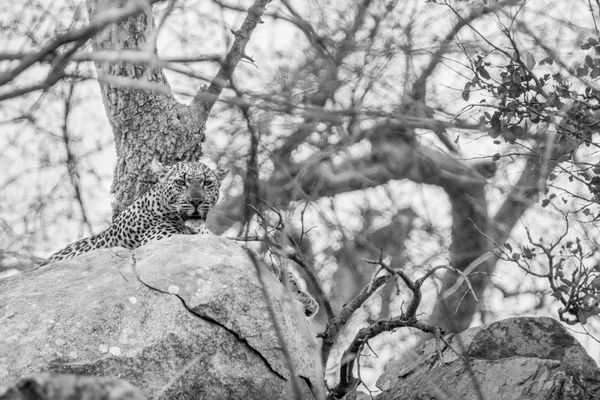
{"x":208,"y":319}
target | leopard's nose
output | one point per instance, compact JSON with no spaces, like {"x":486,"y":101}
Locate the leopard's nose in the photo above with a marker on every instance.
{"x":196,"y":201}
{"x":195,"y":196}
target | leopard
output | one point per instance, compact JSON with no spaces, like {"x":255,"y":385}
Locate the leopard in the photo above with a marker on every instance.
{"x":177,"y":204}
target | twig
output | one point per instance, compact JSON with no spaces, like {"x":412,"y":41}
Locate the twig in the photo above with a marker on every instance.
{"x":71,"y":160}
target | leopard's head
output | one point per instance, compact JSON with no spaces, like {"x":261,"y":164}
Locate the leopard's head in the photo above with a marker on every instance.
{"x":189,"y":189}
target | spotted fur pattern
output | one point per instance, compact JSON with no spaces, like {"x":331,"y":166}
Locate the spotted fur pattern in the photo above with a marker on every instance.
{"x":177,"y":204}
{"x":311,"y":307}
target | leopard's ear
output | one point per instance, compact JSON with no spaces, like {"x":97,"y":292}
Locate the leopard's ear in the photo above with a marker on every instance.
{"x":160,"y":170}
{"x":221,"y":173}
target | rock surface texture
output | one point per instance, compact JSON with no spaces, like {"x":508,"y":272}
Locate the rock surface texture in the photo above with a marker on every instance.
{"x":53,"y":387}
{"x":516,"y":358}
{"x":181,"y":318}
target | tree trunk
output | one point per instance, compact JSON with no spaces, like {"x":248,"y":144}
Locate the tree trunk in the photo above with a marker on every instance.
{"x":146,"y":124}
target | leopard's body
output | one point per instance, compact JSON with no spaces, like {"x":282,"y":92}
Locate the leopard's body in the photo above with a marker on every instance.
{"x":177,"y":204}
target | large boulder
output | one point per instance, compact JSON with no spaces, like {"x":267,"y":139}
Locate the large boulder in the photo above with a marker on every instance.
{"x":73,"y":387}
{"x":181,"y":318}
{"x":516,"y":358}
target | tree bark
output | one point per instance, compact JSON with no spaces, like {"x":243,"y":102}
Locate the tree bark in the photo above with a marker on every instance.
{"x":146,"y":124}
{"x":152,"y":124}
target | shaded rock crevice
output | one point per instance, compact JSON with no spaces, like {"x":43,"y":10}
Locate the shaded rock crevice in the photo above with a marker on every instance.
{"x":206,"y":318}
{"x":235,"y":334}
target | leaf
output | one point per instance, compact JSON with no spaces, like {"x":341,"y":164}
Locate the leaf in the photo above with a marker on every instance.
{"x":517,"y":130}
{"x":556,"y":295}
{"x":516,"y":77}
{"x":530,"y":62}
{"x":466,"y":91}
{"x":581,"y":71}
{"x":508,"y":134}
{"x":508,"y":246}
{"x":465,"y":94}
{"x":527,"y":252}
{"x":495,"y":130}
{"x":589,"y":62}
{"x":483,"y":73}
{"x":588,"y":300}
{"x":582,"y":316}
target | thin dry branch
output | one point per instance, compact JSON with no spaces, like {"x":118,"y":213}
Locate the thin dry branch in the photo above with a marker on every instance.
{"x":336,"y":324}
{"x":129,"y":56}
{"x":51,"y":50}
{"x":236,"y":53}
{"x":71,"y":161}
{"x":347,"y":381}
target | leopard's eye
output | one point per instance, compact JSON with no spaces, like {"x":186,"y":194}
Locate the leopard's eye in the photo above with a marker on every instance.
{"x":209,"y":184}
{"x":180,"y":182}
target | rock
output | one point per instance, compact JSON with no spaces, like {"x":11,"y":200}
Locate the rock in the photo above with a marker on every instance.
{"x":517,"y":358}
{"x":71,"y":387}
{"x":181,"y":318}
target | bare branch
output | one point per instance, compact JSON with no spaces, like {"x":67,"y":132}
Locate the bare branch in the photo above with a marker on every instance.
{"x":236,"y":53}
{"x":335,"y":324}
{"x":50,"y":51}
{"x":130,"y":56}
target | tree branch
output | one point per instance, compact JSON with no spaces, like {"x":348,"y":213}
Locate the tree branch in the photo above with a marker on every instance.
{"x":236,"y":53}
{"x":347,"y":381}
{"x":336,"y":324}
{"x":49,"y":52}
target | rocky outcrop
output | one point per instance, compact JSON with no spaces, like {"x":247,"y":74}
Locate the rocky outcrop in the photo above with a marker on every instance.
{"x":517,"y":358}
{"x":54,"y":387}
{"x":181,"y":318}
